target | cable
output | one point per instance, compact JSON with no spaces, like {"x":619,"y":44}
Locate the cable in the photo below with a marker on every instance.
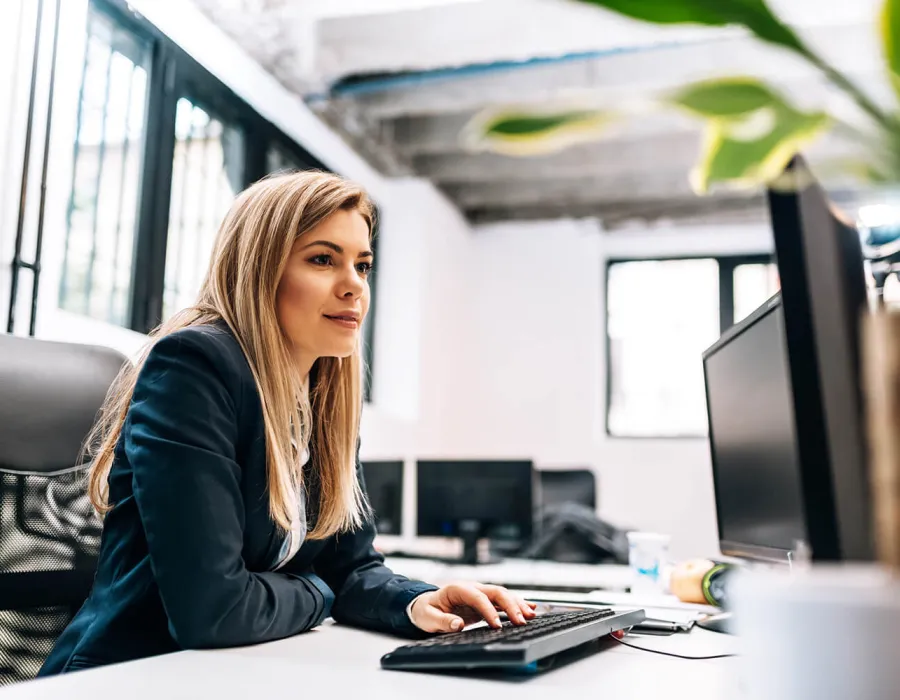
{"x":669,"y":653}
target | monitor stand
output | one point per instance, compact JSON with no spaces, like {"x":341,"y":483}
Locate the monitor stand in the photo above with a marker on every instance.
{"x":722,"y":622}
{"x":469,"y":532}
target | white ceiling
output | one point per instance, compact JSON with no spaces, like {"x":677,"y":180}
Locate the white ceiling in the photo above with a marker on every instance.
{"x":400,"y":78}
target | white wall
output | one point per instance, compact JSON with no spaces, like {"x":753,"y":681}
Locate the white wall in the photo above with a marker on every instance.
{"x":539,"y":368}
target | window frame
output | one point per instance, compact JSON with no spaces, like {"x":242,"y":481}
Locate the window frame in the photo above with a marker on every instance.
{"x":726,"y":267}
{"x":174,"y":74}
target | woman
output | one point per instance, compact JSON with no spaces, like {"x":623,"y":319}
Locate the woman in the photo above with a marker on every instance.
{"x":226,"y":459}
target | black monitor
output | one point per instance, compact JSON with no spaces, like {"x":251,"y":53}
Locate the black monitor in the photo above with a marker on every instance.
{"x":823,"y":292}
{"x":384,"y":487}
{"x":475,"y":498}
{"x":752,"y":438}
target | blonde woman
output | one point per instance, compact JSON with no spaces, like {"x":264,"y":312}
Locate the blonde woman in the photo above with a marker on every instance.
{"x":225,"y":462}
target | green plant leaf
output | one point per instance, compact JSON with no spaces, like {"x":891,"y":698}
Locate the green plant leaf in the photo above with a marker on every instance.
{"x":533,"y":124}
{"x":725,"y":97}
{"x":755,"y":15}
{"x":754,"y":149}
{"x":520,"y":133}
{"x":890,"y":36}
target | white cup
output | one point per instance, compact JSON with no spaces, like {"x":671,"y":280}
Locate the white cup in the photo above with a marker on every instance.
{"x":647,"y":556}
{"x":828,"y":633}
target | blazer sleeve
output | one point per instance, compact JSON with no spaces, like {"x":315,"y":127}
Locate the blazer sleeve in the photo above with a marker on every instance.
{"x":179,"y":438}
{"x":367,"y":593}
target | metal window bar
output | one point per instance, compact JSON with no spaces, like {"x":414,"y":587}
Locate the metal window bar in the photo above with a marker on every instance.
{"x":120,"y":207}
{"x":101,"y":160}
{"x":207,"y":184}
{"x":185,"y":143}
{"x":18,"y":263}
{"x":202,"y":188}
{"x":76,"y":148}
{"x":102,"y":202}
{"x":26,"y":163}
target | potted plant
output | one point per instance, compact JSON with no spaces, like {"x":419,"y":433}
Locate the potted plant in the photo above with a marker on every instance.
{"x":752,"y":129}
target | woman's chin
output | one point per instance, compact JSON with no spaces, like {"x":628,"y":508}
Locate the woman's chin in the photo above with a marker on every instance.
{"x":340,"y":352}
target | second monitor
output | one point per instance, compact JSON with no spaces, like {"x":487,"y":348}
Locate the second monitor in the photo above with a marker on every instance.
{"x":474,"y":499}
{"x":384,"y":487}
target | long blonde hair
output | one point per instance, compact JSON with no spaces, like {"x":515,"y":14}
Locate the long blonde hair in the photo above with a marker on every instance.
{"x":249,"y":257}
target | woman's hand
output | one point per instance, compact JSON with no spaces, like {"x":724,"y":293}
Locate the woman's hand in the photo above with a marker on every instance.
{"x":452,"y":607}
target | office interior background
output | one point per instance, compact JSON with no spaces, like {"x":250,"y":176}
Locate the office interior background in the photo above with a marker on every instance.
{"x":552,"y":308}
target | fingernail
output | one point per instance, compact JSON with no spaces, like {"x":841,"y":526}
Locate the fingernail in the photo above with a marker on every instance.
{"x":456,"y":625}
{"x":497,"y":622}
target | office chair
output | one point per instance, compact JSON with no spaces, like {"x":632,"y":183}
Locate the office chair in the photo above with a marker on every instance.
{"x":568,"y":527}
{"x":49,"y":535}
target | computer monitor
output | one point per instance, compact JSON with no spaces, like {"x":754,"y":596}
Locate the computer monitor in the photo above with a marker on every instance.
{"x":753,"y":441}
{"x":472,"y":499}
{"x":384,"y":487}
{"x":823,"y":293}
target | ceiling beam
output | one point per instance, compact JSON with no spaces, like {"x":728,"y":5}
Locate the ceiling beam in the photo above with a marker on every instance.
{"x":614,"y":214}
{"x":671,"y":184}
{"x":610,"y":159}
{"x":617,"y":79}
{"x":440,"y":133}
{"x":486,"y":31}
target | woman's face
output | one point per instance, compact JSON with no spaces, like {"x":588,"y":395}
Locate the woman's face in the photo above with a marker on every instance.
{"x":323,"y":295}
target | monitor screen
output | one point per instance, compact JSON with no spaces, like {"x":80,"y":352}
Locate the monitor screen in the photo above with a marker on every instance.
{"x":384,"y":488}
{"x":753,"y":441}
{"x":498,"y":495}
{"x":823,"y":291}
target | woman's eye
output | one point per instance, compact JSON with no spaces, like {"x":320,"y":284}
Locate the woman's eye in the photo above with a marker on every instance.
{"x":323,"y":259}
{"x":364,"y":268}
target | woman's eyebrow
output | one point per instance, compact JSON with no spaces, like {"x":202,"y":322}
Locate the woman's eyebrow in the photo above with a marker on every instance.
{"x":336,"y":248}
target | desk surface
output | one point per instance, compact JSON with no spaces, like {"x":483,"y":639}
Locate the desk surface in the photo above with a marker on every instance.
{"x":518,"y":573}
{"x":338,"y":662}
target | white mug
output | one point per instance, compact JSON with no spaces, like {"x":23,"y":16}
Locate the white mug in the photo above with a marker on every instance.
{"x":830,"y":632}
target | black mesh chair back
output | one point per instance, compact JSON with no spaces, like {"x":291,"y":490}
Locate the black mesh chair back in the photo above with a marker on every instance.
{"x":50,"y":394}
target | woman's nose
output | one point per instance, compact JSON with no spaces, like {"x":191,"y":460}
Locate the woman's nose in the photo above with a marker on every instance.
{"x":350,"y":284}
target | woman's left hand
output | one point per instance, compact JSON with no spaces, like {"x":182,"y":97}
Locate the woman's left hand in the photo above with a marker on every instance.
{"x":452,"y":607}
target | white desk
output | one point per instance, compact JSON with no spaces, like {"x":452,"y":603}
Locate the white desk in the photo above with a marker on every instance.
{"x":518,"y":573}
{"x":333,"y":663}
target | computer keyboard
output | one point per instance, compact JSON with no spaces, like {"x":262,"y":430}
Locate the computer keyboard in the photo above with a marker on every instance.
{"x":511,"y":646}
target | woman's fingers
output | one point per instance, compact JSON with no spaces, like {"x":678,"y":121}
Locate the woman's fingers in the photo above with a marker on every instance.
{"x":477,"y":600}
{"x":506,"y":601}
{"x":527,"y":608}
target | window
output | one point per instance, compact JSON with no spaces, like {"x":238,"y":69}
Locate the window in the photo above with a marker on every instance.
{"x":661,"y":316}
{"x":103,"y":198}
{"x":278,"y":159}
{"x":207,"y":173}
{"x":753,"y":284}
{"x":161,"y":149}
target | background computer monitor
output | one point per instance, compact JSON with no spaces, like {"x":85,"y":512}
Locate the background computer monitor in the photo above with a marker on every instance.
{"x":823,"y":294}
{"x":475,"y":498}
{"x":753,"y":441}
{"x":384,"y":486}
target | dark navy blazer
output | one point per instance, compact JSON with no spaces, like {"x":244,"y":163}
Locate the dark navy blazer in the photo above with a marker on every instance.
{"x":187,"y":550}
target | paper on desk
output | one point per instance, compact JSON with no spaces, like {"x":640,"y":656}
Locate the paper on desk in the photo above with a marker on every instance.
{"x":666,"y":602}
{"x":666,"y":608}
